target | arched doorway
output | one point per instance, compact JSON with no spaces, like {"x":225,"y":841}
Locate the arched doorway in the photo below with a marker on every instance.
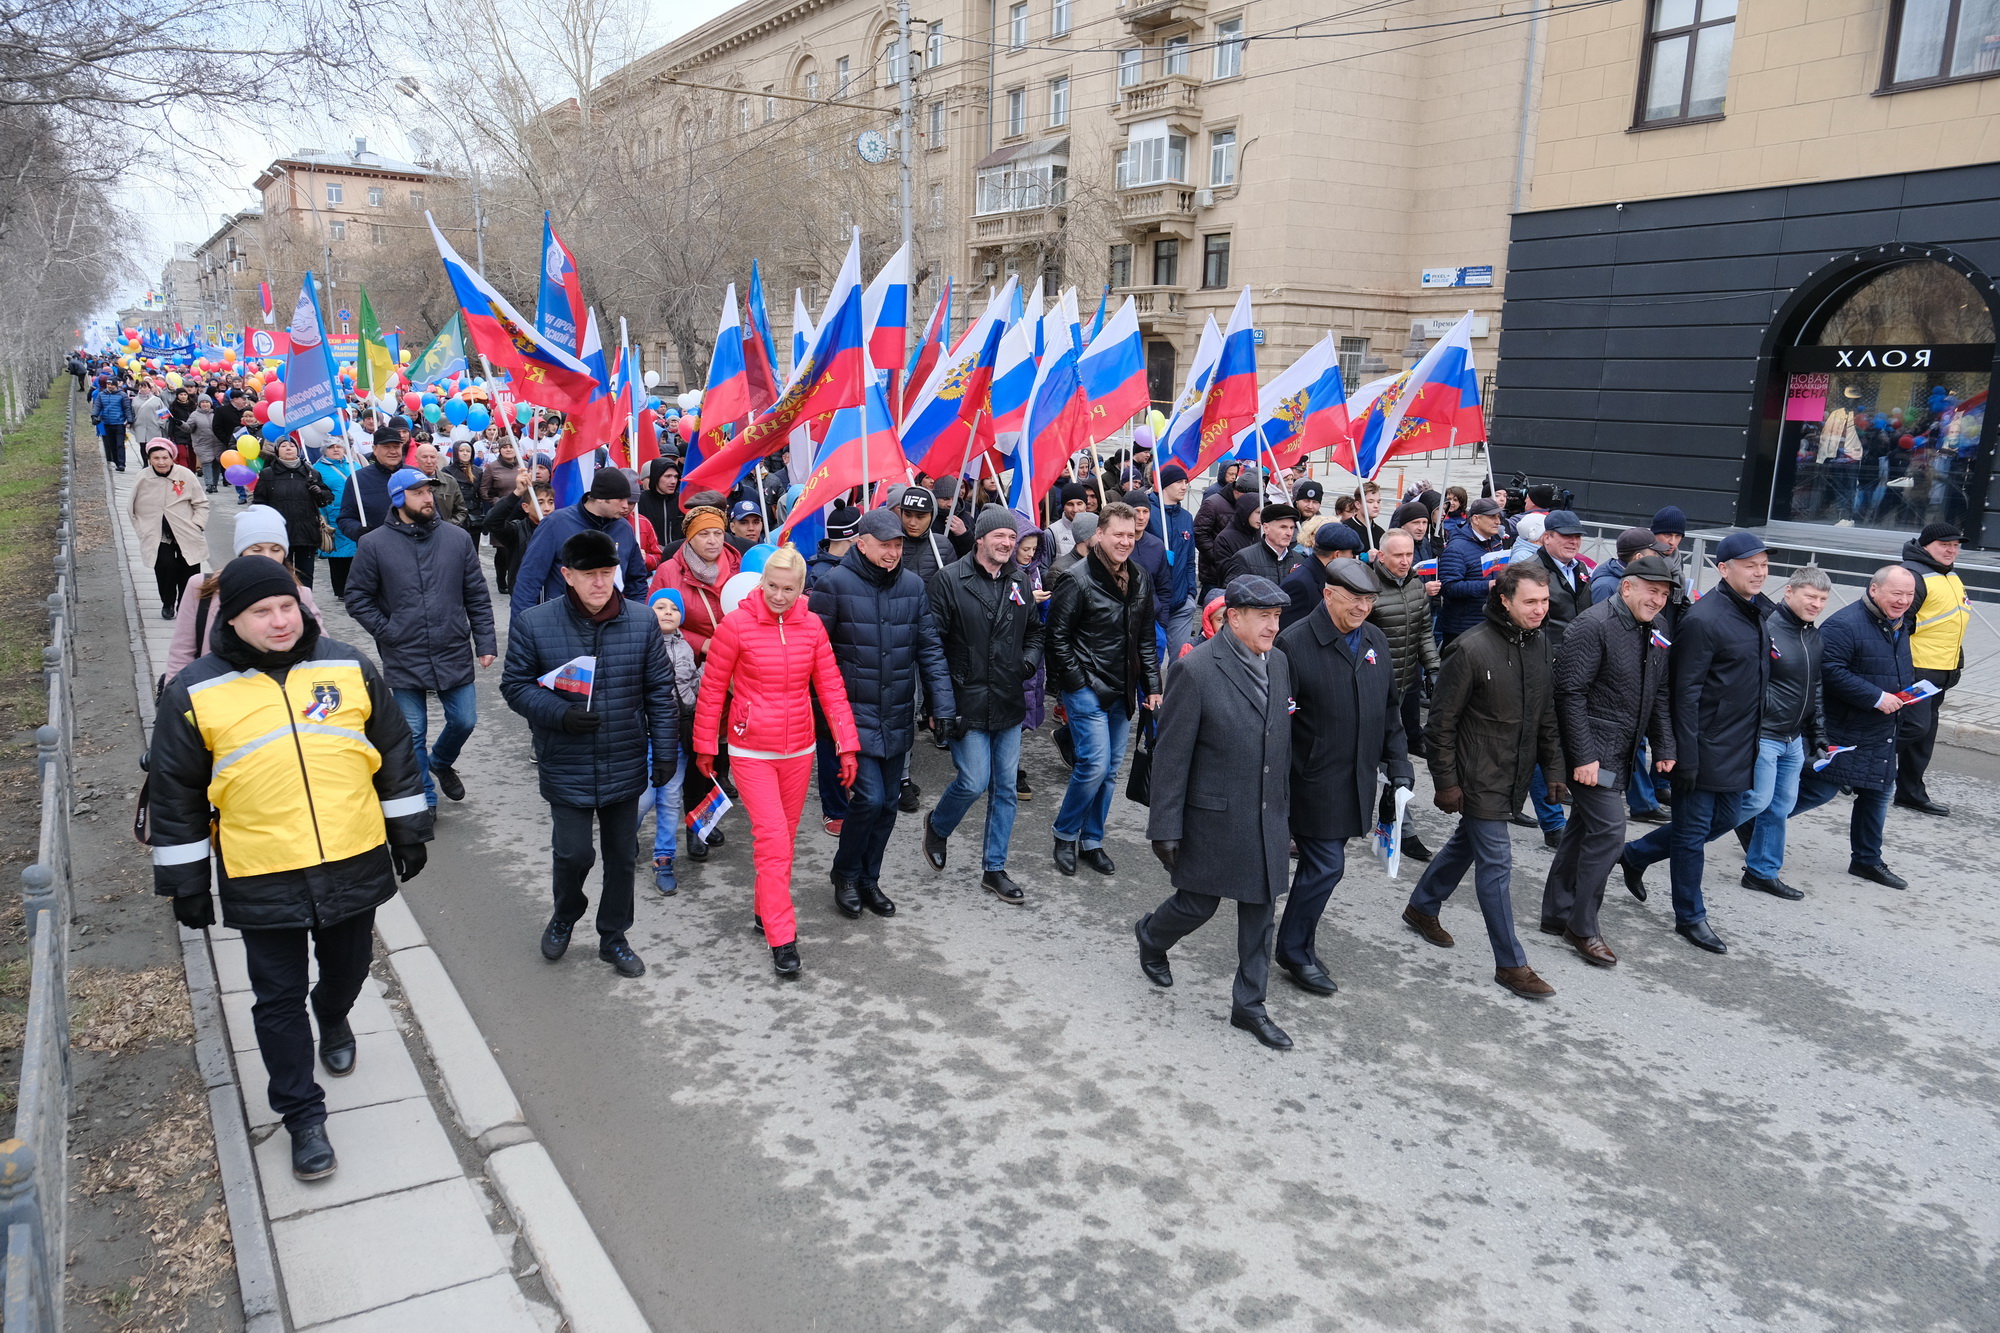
{"x":1877,"y":374}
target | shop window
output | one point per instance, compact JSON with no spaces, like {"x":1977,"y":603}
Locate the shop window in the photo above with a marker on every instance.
{"x":1215,"y":261}
{"x":1885,"y":403}
{"x":1686,"y":71}
{"x":1167,"y":263}
{"x":1933,"y":40}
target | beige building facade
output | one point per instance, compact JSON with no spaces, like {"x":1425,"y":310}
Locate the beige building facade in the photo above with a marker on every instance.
{"x":1176,"y":150}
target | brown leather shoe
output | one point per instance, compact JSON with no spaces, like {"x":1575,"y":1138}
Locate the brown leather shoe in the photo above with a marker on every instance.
{"x":1428,"y":927}
{"x":1523,"y":981}
{"x":1594,"y":949}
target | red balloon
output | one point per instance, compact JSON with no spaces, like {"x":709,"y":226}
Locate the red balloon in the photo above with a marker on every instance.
{"x":687,"y":426}
{"x":413,"y":401}
{"x":261,"y":411}
{"x":131,"y":333}
{"x":274,"y":390}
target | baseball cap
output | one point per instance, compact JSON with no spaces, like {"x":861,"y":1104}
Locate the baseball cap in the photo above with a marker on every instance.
{"x":744,"y":509}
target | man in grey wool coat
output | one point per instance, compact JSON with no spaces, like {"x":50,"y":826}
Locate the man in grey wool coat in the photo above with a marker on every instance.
{"x":1220,"y":802}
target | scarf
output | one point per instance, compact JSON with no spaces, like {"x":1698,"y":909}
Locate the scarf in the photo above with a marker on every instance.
{"x":604,"y":615}
{"x":231,"y":647}
{"x":703,"y":570}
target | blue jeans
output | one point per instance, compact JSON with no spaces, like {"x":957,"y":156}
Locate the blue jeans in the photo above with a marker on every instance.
{"x":1482,"y":846}
{"x":1099,"y":734}
{"x":1639,"y":791}
{"x":1769,"y":804}
{"x":871,"y":818}
{"x":1700,"y":817}
{"x":666,"y":803}
{"x":461,"y":715}
{"x":1180,"y":630}
{"x":1547,"y":813}
{"x":987,"y":763}
{"x":1864,"y":827}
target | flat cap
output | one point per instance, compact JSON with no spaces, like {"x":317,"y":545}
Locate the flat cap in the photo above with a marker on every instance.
{"x":1336,"y":537}
{"x":1637,"y":541}
{"x":1563,"y":521}
{"x":1352,"y":575}
{"x":1280,"y":513}
{"x":1253,"y":590}
{"x":881,"y":524}
{"x":1485,"y":504}
{"x":1737,"y":545}
{"x":1650,"y":568}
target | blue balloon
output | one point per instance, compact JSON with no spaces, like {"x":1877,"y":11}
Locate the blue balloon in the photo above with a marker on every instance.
{"x":429,"y":400}
{"x":478,"y":419}
{"x":652,"y":404}
{"x":273,"y":432}
{"x":755,"y":558}
{"x":454,"y":411}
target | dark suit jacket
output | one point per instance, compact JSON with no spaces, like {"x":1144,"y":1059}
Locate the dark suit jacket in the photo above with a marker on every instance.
{"x":1223,"y":794}
{"x":1349,"y":719}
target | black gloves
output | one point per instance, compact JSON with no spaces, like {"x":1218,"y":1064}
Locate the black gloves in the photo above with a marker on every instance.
{"x":662,"y":774}
{"x":409,"y":859}
{"x":1682,"y":779}
{"x":580,"y":721}
{"x":1169,"y":852}
{"x":951,"y":728}
{"x":196,"y":911}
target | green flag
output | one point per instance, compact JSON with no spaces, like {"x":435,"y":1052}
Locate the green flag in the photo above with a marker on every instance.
{"x":374,"y":364}
{"x":442,"y":358}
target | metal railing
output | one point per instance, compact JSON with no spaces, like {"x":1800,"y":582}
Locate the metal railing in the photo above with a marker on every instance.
{"x":34,"y":1164}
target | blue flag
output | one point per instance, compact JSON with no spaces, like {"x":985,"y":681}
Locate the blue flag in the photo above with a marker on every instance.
{"x":312,"y":392}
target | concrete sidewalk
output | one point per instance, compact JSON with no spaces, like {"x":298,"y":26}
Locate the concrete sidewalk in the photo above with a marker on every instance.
{"x":432,"y":1221}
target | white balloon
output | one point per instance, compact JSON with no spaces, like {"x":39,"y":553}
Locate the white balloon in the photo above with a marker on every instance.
{"x":278,"y":413}
{"x":652,"y":379}
{"x":734,"y":591}
{"x":689,"y":401}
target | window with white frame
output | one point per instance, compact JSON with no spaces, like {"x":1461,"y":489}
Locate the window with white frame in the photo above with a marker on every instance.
{"x":1174,"y":55}
{"x":1152,"y":156}
{"x":841,"y":74}
{"x":742,"y":113}
{"x":892,"y":65}
{"x":770,"y":114}
{"x":337,"y":230}
{"x":334,"y":192}
{"x":377,"y":233}
{"x":937,"y":204}
{"x":935,"y":135}
{"x":1017,"y":111}
{"x":1222,"y":157}
{"x":1131,"y":66}
{"x":374,"y":196}
{"x":1058,"y":102}
{"x":934,"y":46}
{"x":1017,"y":24}
{"x":812,"y":85}
{"x":1034,"y":182}
{"x":416,"y":199}
{"x":1229,"y":48}
{"x":1059,"y":18}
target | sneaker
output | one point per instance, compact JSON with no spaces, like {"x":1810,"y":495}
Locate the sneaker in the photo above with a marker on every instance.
{"x":618,"y":953}
{"x":555,"y":938}
{"x":447,"y":781}
{"x":832,"y":826}
{"x":1022,"y":791}
{"x":663,"y":876}
{"x":910,"y":798}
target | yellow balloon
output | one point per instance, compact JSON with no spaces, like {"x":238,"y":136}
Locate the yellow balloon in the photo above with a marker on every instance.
{"x":173,"y":379}
{"x":1158,"y":421}
{"x":249,"y":448}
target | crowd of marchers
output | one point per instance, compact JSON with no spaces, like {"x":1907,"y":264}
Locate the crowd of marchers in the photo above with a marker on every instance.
{"x":1277,"y":666}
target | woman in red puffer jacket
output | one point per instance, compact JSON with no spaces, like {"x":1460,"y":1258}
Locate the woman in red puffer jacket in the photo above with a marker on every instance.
{"x":767,"y":658}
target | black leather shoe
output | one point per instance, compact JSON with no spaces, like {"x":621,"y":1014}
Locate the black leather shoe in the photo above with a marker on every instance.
{"x":875,"y":900}
{"x":1552,"y":840}
{"x":312,"y":1155}
{"x":1520,"y":819}
{"x":715,"y":839}
{"x":447,"y":781}
{"x":697,"y":849}
{"x":1654,"y":815}
{"x":785,"y":957}
{"x":1006,"y":890}
{"x":1878,"y":874}
{"x":1414,"y":849}
{"x":1153,"y":962}
{"x":555,"y":939}
{"x":336,"y":1049}
{"x":1635,"y":878}
{"x":847,"y":897}
{"x":935,"y":846}
{"x":1702,"y":937}
{"x":1924,"y":805}
{"x":166,"y":610}
{"x":1262,"y":1028}
{"x":619,"y":954}
{"x":1777,"y":888}
{"x":1310,"y":977}
{"x":1065,"y":856}
{"x":908,"y":797}
{"x":1097,"y":859}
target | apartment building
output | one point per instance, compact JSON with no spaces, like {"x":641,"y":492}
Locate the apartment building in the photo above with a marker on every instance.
{"x":229,"y":266}
{"x":1356,"y":173}
{"x":1755,"y":274}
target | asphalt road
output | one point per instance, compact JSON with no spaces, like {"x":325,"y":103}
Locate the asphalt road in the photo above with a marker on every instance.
{"x":977,"y":1116}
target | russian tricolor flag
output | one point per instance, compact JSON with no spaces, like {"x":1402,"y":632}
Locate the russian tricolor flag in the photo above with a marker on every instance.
{"x":1495,"y":560}
{"x":1304,"y":408}
{"x":1058,"y":417}
{"x":543,"y":373}
{"x":1432,"y":405}
{"x":860,"y":447}
{"x":1113,"y":369}
{"x":1013,"y":376}
{"x":1231,"y":404}
{"x":559,"y":310}
{"x":886,"y":308}
{"x":929,"y":348}
{"x":802,"y":329}
{"x":726,"y":400}
{"x":1182,"y":443}
{"x":937,"y":430}
{"x":760,"y":353}
{"x":586,"y":427}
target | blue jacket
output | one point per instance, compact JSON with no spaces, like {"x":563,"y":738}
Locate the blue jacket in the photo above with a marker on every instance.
{"x":113,"y":408}
{"x":1865,"y":657}
{"x":633,"y":689}
{"x":879,"y":621}
{"x":1174,"y":526}
{"x":539,"y":578}
{"x":372,"y":481}
{"x":335,"y":476}
{"x":1464,"y":590}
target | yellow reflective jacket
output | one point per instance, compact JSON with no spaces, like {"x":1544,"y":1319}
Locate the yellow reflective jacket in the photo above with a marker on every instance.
{"x":1943,"y":613}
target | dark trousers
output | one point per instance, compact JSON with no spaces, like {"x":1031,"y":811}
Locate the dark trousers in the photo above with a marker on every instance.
{"x":1916,"y":738}
{"x":1483,"y":847}
{"x":1322,"y":861}
{"x":276,"y":960}
{"x":832,"y":796}
{"x":1592,"y":842}
{"x":1864,"y":826}
{"x":172,"y":571}
{"x":569,"y":840}
{"x":1700,"y":817}
{"x":302,"y":560}
{"x":1413,"y":733}
{"x":1184,"y":913}
{"x":871,"y":818}
{"x":336,"y":567}
{"x":114,"y":446}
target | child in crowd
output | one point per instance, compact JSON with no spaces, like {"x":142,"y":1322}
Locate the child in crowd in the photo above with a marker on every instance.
{"x":666,"y":801}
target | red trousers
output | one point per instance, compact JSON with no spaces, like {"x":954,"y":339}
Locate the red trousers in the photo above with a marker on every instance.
{"x":773,"y":792}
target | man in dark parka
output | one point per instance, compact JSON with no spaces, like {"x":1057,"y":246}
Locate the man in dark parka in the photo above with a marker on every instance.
{"x":1220,"y":802}
{"x":1348,"y":720}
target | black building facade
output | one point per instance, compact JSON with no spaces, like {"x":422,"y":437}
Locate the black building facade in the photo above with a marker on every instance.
{"x":1817,"y":354}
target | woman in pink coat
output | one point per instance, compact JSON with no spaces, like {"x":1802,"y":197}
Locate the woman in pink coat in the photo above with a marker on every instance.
{"x":766,"y":660}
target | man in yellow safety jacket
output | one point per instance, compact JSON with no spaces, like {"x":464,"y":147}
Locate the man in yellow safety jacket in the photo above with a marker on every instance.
{"x":282,"y":757}
{"x":1937,"y":651}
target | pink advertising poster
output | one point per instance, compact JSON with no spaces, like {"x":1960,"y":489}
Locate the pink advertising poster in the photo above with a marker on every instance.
{"x":1805,"y":398}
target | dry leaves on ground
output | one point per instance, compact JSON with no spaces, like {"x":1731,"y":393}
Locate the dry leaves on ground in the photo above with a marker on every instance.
{"x":117,"y":1011}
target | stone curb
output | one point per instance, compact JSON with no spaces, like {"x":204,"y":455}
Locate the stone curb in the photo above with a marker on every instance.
{"x":574,"y":1265}
{"x":480,"y":1096}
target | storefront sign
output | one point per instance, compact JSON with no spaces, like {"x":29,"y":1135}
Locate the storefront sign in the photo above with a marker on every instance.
{"x":1805,"y":398}
{"x":1944,"y":356}
{"x":1471,"y":275}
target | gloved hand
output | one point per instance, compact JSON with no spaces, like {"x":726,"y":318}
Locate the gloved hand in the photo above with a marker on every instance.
{"x":1682,"y":779}
{"x":704,"y":764}
{"x":1401,"y":784}
{"x":409,"y":859}
{"x":850,"y":769}
{"x":951,"y":728}
{"x":1169,"y":852}
{"x":1451,"y":800}
{"x":1816,"y":758}
{"x":1558,"y":794}
{"x":662,"y":774}
{"x":580,"y":721}
{"x":196,"y":911}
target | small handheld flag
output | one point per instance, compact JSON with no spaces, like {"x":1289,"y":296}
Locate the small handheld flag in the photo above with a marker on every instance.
{"x":1661,"y":641}
{"x":1494,"y":560}
{"x":575,"y":676}
{"x":1831,"y":751}
{"x":1918,"y":692}
{"x":1426,"y":569}
{"x":708,"y":813}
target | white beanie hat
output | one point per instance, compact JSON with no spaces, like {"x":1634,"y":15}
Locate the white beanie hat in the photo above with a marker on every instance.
{"x":260,"y":523}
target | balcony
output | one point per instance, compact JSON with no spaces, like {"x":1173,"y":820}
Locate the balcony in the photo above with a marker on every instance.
{"x":1159,"y":308}
{"x":1176,"y":96}
{"x":1149,"y":208}
{"x":1024,"y":227}
{"x":1144,"y":16}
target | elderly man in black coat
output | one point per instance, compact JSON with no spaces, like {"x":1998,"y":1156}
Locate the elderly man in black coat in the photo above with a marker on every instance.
{"x":1348,"y":721}
{"x":878,"y":618}
{"x":1718,"y":668}
{"x":1272,"y":556}
{"x":1221,"y":796}
{"x":591,"y":745}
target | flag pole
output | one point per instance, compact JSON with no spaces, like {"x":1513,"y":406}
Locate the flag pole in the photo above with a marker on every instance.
{"x":513,"y":428}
